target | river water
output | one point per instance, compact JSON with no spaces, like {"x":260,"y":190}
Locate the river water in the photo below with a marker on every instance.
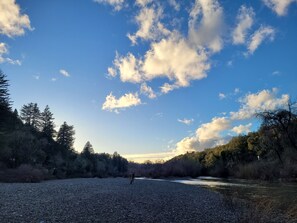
{"x":282,"y":193}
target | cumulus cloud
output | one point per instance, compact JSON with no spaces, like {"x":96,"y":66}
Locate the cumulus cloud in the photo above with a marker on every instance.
{"x":172,"y":58}
{"x":206,"y":24}
{"x":129,"y":68}
{"x":186,"y":121}
{"x":113,"y":104}
{"x":280,"y":7}
{"x":116,"y":4}
{"x":240,"y":129}
{"x":147,"y":90}
{"x":150,"y":27}
{"x":12,"y":22}
{"x":261,"y":101}
{"x":245,"y":19}
{"x":264,"y":32}
{"x":175,"y":59}
{"x":215,"y":132}
{"x":207,"y":135}
{"x":64,"y":73}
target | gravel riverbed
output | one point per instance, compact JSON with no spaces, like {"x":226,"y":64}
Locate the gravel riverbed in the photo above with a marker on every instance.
{"x":111,"y":200}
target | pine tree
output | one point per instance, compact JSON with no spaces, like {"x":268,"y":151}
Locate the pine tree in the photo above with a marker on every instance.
{"x":65,"y":136}
{"x":4,"y":94}
{"x":30,"y":114}
{"x":47,"y":124}
{"x":88,"y":149}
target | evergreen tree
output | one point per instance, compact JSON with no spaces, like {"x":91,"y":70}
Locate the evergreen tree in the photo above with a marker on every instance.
{"x":4,"y":94}
{"x":65,"y":136}
{"x":30,"y":114}
{"x":88,"y":149}
{"x":47,"y":124}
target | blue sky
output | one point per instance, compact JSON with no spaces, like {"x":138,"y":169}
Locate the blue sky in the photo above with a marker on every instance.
{"x":151,"y":79}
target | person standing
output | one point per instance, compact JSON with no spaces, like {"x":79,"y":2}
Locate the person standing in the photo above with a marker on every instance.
{"x":132,"y":178}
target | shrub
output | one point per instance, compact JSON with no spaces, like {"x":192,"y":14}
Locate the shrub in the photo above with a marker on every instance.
{"x":24,"y":173}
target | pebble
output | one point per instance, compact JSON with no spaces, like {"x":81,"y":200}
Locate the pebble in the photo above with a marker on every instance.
{"x":111,"y":200}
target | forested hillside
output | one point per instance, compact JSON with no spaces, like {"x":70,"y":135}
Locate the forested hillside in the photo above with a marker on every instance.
{"x":32,"y":150}
{"x":268,"y":154}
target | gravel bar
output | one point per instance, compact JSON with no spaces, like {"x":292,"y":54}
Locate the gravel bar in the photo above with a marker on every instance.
{"x":111,"y":200}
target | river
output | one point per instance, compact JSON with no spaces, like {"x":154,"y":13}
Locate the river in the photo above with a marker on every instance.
{"x":282,"y":193}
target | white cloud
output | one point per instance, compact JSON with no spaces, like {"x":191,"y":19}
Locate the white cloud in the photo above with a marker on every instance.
{"x":174,"y":4}
{"x":147,"y":90}
{"x":113,"y":104}
{"x":175,"y":59}
{"x":166,"y":88}
{"x":54,"y":79}
{"x":4,"y":50}
{"x":240,"y":129}
{"x":236,"y":91}
{"x":212,"y":129}
{"x":13,"y":62}
{"x":111,"y":72}
{"x":214,"y":132}
{"x":222,"y":96}
{"x":259,"y":36}
{"x":150,"y":27}
{"x":206,"y":24}
{"x":280,"y":7}
{"x":261,"y":101}
{"x":172,"y":58}
{"x":64,"y":73}
{"x":143,"y":2}
{"x":245,"y":19}
{"x":116,"y":4}
{"x":186,"y":121}
{"x":129,"y":68}
{"x":207,"y":135}
{"x":12,"y":22}
{"x":276,"y":73}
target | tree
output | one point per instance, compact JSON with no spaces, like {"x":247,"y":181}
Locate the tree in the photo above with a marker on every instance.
{"x":88,"y":149}
{"x":4,"y":94}
{"x":30,"y":114}
{"x":282,"y":124}
{"x":65,"y":136}
{"x":47,"y":124}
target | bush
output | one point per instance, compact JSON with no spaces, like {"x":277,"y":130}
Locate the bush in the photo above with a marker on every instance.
{"x":24,"y":173}
{"x":262,"y":170}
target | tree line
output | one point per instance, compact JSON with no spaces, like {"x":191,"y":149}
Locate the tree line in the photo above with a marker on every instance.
{"x":31,"y":149}
{"x":267,"y":154}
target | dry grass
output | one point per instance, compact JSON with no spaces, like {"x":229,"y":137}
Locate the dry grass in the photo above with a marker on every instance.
{"x":262,"y":210}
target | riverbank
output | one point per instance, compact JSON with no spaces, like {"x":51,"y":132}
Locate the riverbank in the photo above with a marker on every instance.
{"x":112,"y":200}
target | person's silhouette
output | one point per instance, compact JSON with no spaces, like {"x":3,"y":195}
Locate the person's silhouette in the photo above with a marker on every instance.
{"x":132,"y":178}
